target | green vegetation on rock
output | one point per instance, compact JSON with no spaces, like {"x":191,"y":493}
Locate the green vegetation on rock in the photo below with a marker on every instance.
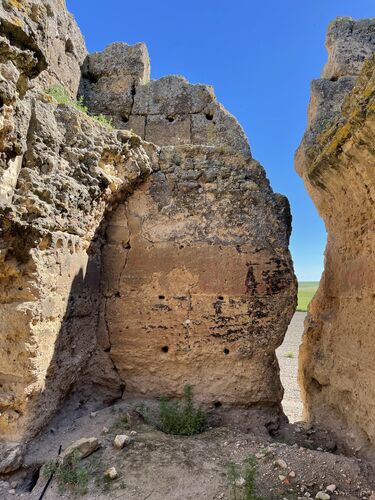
{"x":61,"y":95}
{"x":70,"y":474}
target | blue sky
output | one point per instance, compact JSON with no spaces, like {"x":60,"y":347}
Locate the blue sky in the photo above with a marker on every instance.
{"x":260,"y":55}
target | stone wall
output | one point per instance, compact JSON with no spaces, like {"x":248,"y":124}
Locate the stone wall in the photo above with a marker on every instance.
{"x":168,"y":111}
{"x":336,"y":160}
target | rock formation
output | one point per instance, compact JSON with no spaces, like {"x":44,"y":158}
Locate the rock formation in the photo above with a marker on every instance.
{"x":142,"y":262}
{"x":337,"y":162}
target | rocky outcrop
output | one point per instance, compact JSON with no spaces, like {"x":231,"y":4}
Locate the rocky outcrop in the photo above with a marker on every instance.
{"x":60,"y":172}
{"x":196,"y":271}
{"x":336,"y":160}
{"x":125,"y":263}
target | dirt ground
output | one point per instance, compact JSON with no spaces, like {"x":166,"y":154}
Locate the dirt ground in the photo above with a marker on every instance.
{"x":294,"y":462}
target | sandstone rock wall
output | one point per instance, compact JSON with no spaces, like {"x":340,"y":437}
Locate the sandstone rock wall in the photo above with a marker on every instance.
{"x":199,"y":287}
{"x":189,"y":281}
{"x":196,"y":271}
{"x":60,"y":172}
{"x":336,"y":160}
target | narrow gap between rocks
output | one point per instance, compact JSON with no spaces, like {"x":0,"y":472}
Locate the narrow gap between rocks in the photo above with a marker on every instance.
{"x":287,"y":355}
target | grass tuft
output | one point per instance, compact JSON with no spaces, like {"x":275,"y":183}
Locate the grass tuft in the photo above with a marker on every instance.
{"x":70,"y":474}
{"x":61,"y":95}
{"x":241,"y":479}
{"x":181,"y":417}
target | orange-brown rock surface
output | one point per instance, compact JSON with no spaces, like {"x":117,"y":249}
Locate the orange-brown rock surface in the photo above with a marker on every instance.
{"x":337,"y":162}
{"x":198,"y":287}
{"x":127,"y":264}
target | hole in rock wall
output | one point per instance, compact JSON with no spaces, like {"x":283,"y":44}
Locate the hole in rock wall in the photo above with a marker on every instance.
{"x":165,"y":348}
{"x":69,"y":48}
{"x":209,"y":116}
{"x":170,"y":119}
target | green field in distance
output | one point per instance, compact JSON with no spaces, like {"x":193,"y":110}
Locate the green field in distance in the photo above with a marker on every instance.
{"x":306,"y":291}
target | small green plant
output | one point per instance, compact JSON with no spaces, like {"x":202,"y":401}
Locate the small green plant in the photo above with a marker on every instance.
{"x":69,"y":474}
{"x":61,"y":95}
{"x":249,"y":476}
{"x":181,"y":417}
{"x":233,"y":475}
{"x":241,"y":479}
{"x":289,"y":354}
{"x":144,"y":412}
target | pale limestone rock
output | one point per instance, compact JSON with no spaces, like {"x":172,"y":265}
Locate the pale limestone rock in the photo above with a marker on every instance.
{"x":120,"y":441}
{"x":331,"y":488}
{"x":50,"y":41}
{"x":110,"y":78}
{"x":82,"y":447}
{"x":349,"y":43}
{"x":170,"y":96}
{"x":199,"y":252}
{"x":322,"y":496}
{"x":168,"y":111}
{"x":281,"y":463}
{"x":10,"y":457}
{"x":111,"y":473}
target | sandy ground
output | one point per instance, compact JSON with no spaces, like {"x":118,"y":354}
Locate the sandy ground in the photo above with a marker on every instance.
{"x":287,"y":355}
{"x":158,"y":466}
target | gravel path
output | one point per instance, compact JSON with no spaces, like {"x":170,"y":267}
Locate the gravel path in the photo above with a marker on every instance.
{"x":287,"y":355}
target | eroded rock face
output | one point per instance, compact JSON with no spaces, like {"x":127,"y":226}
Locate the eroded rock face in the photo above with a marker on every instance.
{"x":60,"y":172}
{"x":189,"y":281}
{"x":196,"y":271}
{"x":198,"y":286}
{"x":336,"y":160}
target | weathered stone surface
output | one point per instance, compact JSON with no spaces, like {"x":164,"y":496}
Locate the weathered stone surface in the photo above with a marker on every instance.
{"x":60,"y":172}
{"x":109,"y":78}
{"x":349,"y":43}
{"x":120,"y":441}
{"x":337,"y":162}
{"x":82,"y":448}
{"x":41,"y":35}
{"x":110,"y":280}
{"x":71,"y":171}
{"x":168,"y":111}
{"x":10,"y":457}
{"x":204,"y":280}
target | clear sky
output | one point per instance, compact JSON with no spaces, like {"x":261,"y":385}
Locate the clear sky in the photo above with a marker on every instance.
{"x":260,"y":55}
